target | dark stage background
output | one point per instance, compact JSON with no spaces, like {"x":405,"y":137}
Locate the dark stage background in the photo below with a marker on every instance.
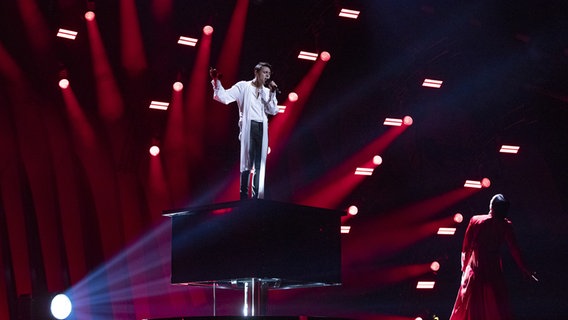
{"x":81,"y":198}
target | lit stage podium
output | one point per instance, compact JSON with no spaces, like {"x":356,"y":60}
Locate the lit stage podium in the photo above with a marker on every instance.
{"x":255,"y":245}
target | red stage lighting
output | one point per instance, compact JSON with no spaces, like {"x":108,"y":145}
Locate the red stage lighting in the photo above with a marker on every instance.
{"x":435,"y":266}
{"x":89,"y":15}
{"x":208,"y":30}
{"x":377,"y":160}
{"x":178,"y":86}
{"x":458,"y":218}
{"x":353,"y":210}
{"x":64,"y":83}
{"x":325,"y":56}
{"x":407,"y":120}
{"x":154,"y":150}
{"x":485,"y":182}
{"x":293,"y":96}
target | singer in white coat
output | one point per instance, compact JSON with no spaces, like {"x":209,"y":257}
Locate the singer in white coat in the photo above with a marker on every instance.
{"x":256,"y":99}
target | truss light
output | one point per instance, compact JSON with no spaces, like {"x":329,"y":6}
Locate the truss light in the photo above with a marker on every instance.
{"x":68,"y":34}
{"x":509,"y":149}
{"x":446,"y":231}
{"x":472,"y":184}
{"x":308,"y":55}
{"x":187,"y":41}
{"x":432,"y":83}
{"x":348,"y":13}
{"x":425,"y":284}
{"x":159,"y":105}
{"x":392,"y":122}
{"x":364,"y":171}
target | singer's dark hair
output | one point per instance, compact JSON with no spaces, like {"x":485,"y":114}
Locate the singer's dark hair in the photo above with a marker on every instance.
{"x":262,"y":64}
{"x":499,"y":206}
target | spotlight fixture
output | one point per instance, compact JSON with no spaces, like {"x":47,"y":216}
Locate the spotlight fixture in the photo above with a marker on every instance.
{"x":352,"y":210}
{"x":348,"y":13}
{"x":178,"y":86}
{"x":432,"y":83}
{"x":67,"y":34}
{"x":64,"y":83}
{"x":187,"y":41}
{"x":61,"y":306}
{"x":90,"y":15}
{"x":435,"y":266}
{"x":305,"y":55}
{"x":377,"y":160}
{"x":154,"y":150}
{"x":325,"y":56}
{"x":293,"y":96}
{"x":208,"y":30}
{"x":458,"y":218}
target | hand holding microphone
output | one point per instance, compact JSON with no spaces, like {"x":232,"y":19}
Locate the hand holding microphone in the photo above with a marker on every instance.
{"x":272,"y":86}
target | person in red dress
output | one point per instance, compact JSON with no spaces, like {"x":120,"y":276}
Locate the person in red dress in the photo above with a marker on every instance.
{"x":483,"y":292}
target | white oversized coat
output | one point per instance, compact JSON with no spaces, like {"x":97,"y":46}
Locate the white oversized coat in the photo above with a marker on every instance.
{"x":243,"y":92}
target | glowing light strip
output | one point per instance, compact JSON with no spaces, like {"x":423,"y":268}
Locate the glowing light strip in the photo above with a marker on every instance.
{"x":68,"y":34}
{"x":281,"y":109}
{"x":472,"y":184}
{"x":345,"y":229}
{"x":425,"y":284}
{"x":364,"y":171}
{"x":187,"y":41}
{"x":308,"y":55}
{"x":393,"y":122}
{"x":432,"y":83}
{"x":347,"y":13}
{"x":159,"y":105}
{"x":509,"y":149}
{"x":447,"y":231}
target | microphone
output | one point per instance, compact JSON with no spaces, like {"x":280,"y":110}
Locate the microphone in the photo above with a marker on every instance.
{"x":272,"y":86}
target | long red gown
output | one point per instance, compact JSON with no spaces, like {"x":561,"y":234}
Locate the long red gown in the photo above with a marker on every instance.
{"x":483,"y":292}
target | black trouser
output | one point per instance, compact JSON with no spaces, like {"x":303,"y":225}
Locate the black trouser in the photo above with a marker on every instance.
{"x":255,"y":154}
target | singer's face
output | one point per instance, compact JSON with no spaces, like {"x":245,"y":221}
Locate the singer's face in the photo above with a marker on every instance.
{"x":263,"y":74}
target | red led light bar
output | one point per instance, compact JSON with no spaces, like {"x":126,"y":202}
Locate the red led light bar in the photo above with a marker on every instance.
{"x":348,"y":13}
{"x":432,"y":83}
{"x":159,"y":105}
{"x":187,"y":41}
{"x":308,"y":55}
{"x":68,"y":34}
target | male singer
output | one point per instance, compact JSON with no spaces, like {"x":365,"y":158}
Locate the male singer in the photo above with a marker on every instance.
{"x":255,"y":98}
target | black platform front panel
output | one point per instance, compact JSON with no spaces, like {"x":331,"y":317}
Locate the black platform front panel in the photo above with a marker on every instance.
{"x":290,"y":244}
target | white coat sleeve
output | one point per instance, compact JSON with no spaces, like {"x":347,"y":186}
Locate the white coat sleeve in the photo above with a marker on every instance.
{"x":222,"y":95}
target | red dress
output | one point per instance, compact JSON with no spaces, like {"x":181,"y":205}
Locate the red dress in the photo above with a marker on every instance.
{"x":483,"y":292}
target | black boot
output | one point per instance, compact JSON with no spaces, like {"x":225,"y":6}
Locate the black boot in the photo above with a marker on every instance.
{"x":245,"y":177}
